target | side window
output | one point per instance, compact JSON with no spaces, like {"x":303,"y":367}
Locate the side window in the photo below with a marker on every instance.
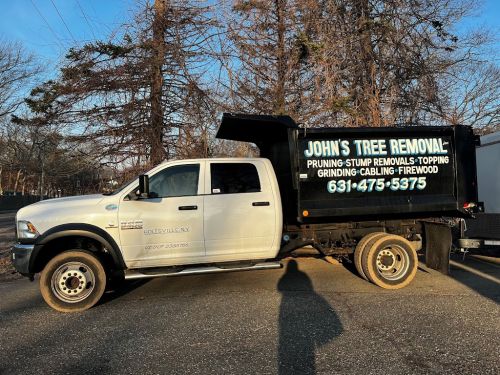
{"x":176,"y":181}
{"x":230,"y":178}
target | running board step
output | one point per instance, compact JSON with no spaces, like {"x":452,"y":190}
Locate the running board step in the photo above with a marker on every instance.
{"x":145,"y":273}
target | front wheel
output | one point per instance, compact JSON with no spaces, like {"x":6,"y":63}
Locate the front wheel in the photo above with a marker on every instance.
{"x":73,"y":281}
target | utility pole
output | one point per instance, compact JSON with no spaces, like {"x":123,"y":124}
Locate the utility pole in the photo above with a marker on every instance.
{"x":42,"y":182}
{"x":157,"y":151}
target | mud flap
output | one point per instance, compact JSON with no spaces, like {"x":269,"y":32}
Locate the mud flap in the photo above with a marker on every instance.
{"x":437,"y":246}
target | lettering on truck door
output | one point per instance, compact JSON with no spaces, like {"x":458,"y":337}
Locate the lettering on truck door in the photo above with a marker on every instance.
{"x":167,"y":227}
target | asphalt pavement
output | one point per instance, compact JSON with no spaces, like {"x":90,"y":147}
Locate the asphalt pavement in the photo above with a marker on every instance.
{"x":310,"y":317}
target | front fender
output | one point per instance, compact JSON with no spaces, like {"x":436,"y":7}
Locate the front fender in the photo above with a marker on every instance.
{"x":79,"y":230}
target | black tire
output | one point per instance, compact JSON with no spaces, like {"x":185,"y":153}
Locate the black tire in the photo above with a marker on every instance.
{"x":115,"y":281}
{"x":390,"y":262}
{"x":73,"y":281}
{"x":360,"y":249}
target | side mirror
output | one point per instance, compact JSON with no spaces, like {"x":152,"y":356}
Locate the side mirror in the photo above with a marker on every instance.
{"x":143,"y":191}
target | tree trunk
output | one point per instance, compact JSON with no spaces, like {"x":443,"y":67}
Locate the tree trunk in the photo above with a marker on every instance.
{"x":17,"y":180}
{"x":369,"y":102}
{"x":23,"y":184}
{"x":42,"y":177}
{"x":9,"y":181}
{"x":157,"y":150}
{"x":281,"y":57}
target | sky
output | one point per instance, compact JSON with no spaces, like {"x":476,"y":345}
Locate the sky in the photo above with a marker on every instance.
{"x":48,"y":28}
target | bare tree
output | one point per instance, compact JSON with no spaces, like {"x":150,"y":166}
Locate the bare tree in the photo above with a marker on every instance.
{"x":17,"y":69}
{"x":353,"y":62}
{"x":130,"y":98}
{"x":37,"y":160}
{"x":265,"y":67}
{"x":470,"y":94}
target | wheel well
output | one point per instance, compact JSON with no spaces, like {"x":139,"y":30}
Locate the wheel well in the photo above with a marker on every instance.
{"x":61,"y":244}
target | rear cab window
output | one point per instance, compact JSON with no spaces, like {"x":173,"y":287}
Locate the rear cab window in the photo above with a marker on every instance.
{"x":234,"y":178}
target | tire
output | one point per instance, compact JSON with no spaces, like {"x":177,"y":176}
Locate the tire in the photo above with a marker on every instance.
{"x":360,"y":248}
{"x":73,"y":281}
{"x":390,"y":262}
{"x":115,"y":280}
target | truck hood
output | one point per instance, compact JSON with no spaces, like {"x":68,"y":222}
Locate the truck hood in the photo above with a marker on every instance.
{"x":71,"y":201}
{"x":51,"y":208}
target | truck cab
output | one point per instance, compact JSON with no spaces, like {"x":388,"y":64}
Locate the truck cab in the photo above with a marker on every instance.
{"x":201,"y":211}
{"x":206,"y":212}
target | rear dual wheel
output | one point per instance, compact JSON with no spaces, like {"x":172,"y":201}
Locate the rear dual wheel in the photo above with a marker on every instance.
{"x":365,"y":243}
{"x":387,"y":260}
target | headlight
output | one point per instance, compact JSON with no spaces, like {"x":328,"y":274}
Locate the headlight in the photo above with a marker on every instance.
{"x":26,"y":230}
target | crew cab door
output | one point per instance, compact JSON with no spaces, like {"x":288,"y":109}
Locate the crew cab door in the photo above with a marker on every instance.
{"x":240,"y":211}
{"x":166,"y":228}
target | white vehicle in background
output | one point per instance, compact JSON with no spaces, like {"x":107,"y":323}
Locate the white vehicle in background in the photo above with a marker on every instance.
{"x":483,"y":231}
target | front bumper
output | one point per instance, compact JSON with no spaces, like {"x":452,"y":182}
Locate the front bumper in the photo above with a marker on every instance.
{"x":21,"y":255}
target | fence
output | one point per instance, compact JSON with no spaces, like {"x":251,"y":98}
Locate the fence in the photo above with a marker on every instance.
{"x":15,"y":202}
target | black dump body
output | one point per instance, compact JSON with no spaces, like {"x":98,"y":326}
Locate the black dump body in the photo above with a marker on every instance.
{"x":358,"y":174}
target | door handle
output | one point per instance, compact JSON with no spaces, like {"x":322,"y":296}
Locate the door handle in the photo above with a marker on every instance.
{"x":261,"y":204}
{"x":185,"y":208}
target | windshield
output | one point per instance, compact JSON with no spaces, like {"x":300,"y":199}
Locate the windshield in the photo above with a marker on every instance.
{"x":120,"y":188}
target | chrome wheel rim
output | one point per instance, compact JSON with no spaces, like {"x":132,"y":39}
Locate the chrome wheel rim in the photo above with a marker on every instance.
{"x":392,"y":262}
{"x":72,"y":282}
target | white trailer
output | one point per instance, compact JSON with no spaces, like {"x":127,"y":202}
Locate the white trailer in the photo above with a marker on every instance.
{"x":488,"y":172}
{"x":484,"y":230}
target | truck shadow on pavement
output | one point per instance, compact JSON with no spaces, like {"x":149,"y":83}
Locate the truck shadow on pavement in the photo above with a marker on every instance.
{"x":121,"y":289}
{"x":306,"y":322}
{"x":481,"y":276}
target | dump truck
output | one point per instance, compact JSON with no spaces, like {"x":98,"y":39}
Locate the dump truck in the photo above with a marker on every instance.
{"x":373,"y":196}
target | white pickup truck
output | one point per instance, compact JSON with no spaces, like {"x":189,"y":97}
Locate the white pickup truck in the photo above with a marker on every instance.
{"x":196,"y":212}
{"x":215,"y":215}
